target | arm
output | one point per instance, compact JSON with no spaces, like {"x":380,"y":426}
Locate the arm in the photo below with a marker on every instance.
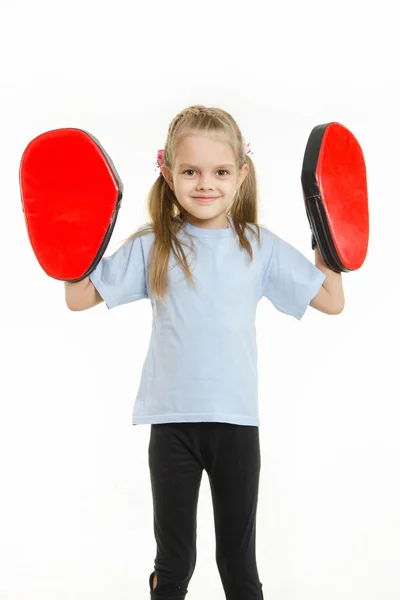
{"x":81,"y":295}
{"x":330,"y":298}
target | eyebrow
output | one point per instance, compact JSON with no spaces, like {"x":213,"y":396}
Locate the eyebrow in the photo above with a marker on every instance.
{"x":191,"y":165}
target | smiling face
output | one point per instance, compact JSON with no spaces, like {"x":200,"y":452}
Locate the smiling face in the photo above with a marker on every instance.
{"x":205,"y":167}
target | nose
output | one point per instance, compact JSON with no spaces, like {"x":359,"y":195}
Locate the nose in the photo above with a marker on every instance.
{"x":203,"y":183}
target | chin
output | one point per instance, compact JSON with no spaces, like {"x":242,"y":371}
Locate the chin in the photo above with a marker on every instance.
{"x":210,"y":211}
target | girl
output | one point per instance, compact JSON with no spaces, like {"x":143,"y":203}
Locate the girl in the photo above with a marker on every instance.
{"x":199,"y":386}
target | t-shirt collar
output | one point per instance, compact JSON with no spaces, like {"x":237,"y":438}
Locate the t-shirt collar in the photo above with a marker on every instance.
{"x":210,"y":233}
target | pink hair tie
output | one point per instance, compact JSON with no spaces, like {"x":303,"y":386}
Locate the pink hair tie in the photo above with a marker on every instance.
{"x":246,"y":148}
{"x":160,"y":155}
{"x":160,"y":158}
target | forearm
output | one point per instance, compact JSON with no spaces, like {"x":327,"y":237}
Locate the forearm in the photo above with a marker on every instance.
{"x":333,"y":282}
{"x":75,"y":291}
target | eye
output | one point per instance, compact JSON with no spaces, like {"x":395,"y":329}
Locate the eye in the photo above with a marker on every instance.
{"x":219,"y":171}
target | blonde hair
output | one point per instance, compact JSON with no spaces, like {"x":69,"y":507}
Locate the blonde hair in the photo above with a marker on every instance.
{"x":166,"y":214}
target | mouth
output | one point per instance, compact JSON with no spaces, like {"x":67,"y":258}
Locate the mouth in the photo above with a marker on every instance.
{"x":205,"y":199}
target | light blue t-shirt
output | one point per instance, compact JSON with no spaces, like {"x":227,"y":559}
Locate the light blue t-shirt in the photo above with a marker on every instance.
{"x":201,"y":363}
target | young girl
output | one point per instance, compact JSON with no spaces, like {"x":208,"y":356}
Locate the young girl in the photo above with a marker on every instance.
{"x":199,"y":385}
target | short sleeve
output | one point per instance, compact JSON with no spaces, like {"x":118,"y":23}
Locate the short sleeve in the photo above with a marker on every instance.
{"x":290,"y":280}
{"x":121,"y":278}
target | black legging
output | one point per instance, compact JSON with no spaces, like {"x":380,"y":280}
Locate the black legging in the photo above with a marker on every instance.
{"x":230,"y":454}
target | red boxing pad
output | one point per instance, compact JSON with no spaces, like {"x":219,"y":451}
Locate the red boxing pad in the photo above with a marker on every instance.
{"x":335,"y":193}
{"x":71,"y":194}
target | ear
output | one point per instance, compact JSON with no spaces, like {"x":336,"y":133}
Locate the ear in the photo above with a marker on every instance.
{"x":243,"y":174}
{"x":167,"y":176}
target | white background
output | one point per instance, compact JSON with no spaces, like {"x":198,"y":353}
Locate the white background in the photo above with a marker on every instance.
{"x":76,"y":504}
